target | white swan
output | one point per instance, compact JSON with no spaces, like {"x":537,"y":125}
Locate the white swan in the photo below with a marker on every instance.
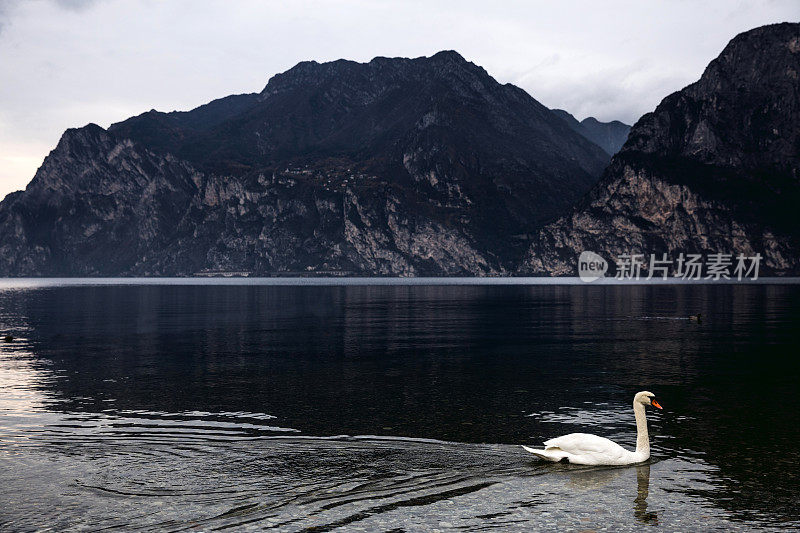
{"x":586,"y":449}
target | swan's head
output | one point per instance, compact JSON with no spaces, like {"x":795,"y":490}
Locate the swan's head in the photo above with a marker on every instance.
{"x":646,"y":398}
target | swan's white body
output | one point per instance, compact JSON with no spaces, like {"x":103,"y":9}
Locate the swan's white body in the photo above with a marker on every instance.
{"x":586,"y":449}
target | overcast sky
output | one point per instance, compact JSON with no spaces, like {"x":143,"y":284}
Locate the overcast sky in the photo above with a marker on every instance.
{"x":65,"y":63}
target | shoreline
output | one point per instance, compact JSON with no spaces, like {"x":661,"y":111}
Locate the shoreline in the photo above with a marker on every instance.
{"x":12,"y":283}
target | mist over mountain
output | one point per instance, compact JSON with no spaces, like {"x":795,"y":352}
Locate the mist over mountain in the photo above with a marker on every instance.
{"x":714,"y":169}
{"x":397,"y":166}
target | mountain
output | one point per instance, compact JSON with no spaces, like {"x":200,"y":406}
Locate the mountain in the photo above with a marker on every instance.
{"x":714,"y":169}
{"x":610,"y":136}
{"x":423,"y":166}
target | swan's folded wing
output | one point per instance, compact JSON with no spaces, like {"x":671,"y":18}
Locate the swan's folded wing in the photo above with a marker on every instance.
{"x":586,"y":444}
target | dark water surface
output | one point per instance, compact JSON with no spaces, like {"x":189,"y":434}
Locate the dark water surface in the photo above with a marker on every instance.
{"x":395,"y":407}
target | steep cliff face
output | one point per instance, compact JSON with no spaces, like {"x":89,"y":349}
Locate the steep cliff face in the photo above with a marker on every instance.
{"x":714,"y":169}
{"x":397,"y":166}
{"x":610,"y":136}
{"x":97,"y":205}
{"x":104,"y":206}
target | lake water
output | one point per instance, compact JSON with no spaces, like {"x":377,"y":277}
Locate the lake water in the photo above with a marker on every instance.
{"x":248,"y":404}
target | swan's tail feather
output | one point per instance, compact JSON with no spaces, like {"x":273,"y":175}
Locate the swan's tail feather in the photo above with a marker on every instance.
{"x":550,"y":454}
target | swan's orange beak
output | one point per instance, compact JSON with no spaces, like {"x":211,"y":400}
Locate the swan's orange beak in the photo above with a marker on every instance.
{"x":655,"y":404}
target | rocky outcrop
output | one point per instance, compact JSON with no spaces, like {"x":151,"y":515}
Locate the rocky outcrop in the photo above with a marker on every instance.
{"x":610,"y":136}
{"x":714,"y":169}
{"x":422,"y":166}
{"x":97,"y":205}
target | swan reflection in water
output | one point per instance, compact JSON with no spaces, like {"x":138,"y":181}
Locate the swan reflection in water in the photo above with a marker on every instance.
{"x":595,"y":478}
{"x":643,"y":490}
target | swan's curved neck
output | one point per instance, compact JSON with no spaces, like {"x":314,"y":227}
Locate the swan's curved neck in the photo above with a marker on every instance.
{"x":642,"y":437}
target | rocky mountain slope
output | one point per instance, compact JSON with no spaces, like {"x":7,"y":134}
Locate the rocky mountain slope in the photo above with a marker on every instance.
{"x":610,"y":136}
{"x":714,"y":169}
{"x":396,"y":166}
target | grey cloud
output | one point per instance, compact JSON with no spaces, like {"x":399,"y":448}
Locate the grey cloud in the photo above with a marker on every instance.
{"x":75,"y":5}
{"x":7,"y":8}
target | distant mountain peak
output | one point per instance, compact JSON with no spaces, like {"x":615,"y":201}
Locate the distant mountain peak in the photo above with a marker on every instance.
{"x":610,"y":136}
{"x":314,"y":74}
{"x":82,"y":142}
{"x":449,"y":55}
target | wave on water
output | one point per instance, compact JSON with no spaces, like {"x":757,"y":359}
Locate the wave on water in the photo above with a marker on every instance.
{"x":154,"y":470}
